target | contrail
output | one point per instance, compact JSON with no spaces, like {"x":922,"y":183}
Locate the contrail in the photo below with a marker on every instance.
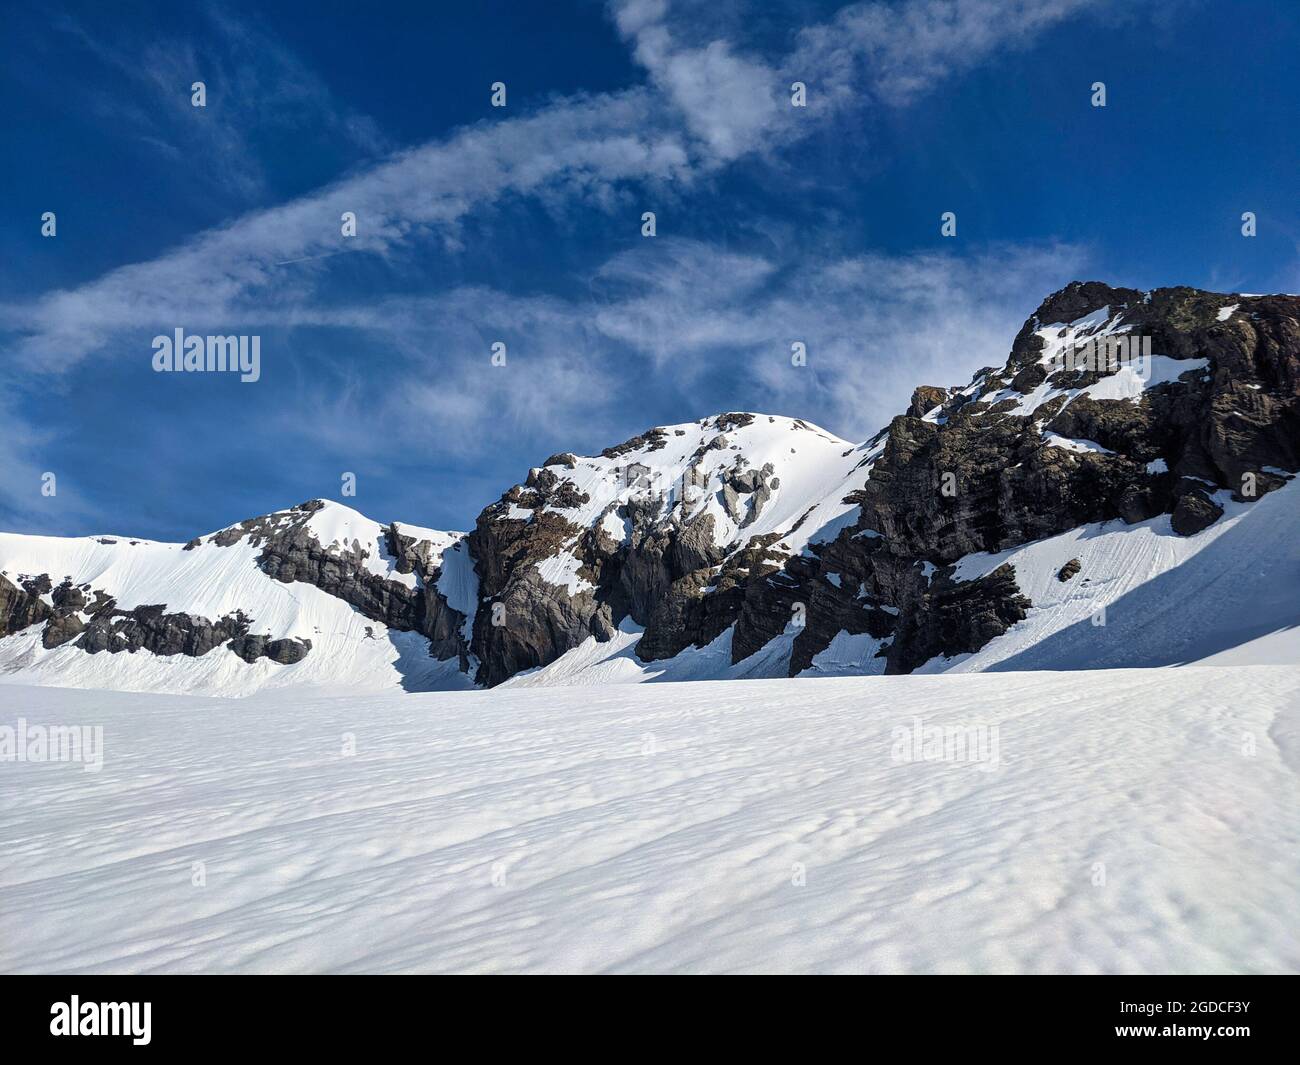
{"x":306,"y":258}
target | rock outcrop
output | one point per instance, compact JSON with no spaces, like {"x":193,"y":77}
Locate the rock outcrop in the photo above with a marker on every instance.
{"x":91,"y":619}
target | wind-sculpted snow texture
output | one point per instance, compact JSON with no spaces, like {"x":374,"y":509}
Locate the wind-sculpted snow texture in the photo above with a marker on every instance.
{"x":750,"y":545}
{"x":1119,"y":821}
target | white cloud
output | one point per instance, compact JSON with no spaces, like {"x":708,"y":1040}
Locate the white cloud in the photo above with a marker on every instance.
{"x":875,"y":326}
{"x":714,"y":329}
{"x":899,"y":50}
{"x":737,"y":103}
{"x":727,"y":100}
{"x":575,"y":148}
{"x":232,"y":274}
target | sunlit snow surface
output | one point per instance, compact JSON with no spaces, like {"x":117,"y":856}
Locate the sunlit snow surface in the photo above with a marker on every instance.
{"x":1136,"y":821}
{"x":349,"y":651}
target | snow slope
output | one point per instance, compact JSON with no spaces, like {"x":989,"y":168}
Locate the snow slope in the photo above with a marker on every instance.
{"x":1133,"y":821}
{"x":1146,"y":596}
{"x":349,"y":652}
{"x":614,"y":662}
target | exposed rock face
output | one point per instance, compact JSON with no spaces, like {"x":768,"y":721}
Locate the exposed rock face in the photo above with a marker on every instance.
{"x":61,"y":629}
{"x":1069,"y":571}
{"x":291,"y":552}
{"x":983,"y":475}
{"x":567,"y":556}
{"x":650,"y":440}
{"x":151,"y":628}
{"x":95,"y":623}
{"x":437,"y":619}
{"x":925,"y":399}
{"x":21,"y":604}
{"x":521,"y":622}
{"x":955,"y":618}
{"x":1193,"y":512}
{"x":286,"y":652}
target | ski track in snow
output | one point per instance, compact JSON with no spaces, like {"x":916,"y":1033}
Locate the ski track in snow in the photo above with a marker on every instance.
{"x":657,"y":828}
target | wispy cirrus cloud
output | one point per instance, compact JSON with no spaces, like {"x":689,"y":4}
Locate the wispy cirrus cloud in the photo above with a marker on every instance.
{"x":897,"y":51}
{"x":874,"y":53}
{"x":685,"y":311}
{"x":257,"y":88}
{"x":723,"y":105}
{"x":233,"y":274}
{"x":678,"y":331}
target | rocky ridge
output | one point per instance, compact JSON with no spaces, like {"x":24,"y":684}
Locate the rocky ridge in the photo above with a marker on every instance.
{"x":748,"y":528}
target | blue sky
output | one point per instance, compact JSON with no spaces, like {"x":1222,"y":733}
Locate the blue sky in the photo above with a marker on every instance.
{"x":522,"y":225}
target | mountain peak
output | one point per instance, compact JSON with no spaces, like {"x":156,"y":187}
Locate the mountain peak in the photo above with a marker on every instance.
{"x":1081,"y":298}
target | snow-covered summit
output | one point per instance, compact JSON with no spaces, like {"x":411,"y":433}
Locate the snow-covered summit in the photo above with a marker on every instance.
{"x":218,"y":615}
{"x":749,"y":475}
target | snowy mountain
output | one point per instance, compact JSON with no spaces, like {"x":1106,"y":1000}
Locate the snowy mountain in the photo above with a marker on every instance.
{"x":666,"y":532}
{"x":318,"y":595}
{"x":1116,"y":494}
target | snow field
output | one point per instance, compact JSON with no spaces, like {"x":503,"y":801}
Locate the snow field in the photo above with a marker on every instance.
{"x":1134,"y":821}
